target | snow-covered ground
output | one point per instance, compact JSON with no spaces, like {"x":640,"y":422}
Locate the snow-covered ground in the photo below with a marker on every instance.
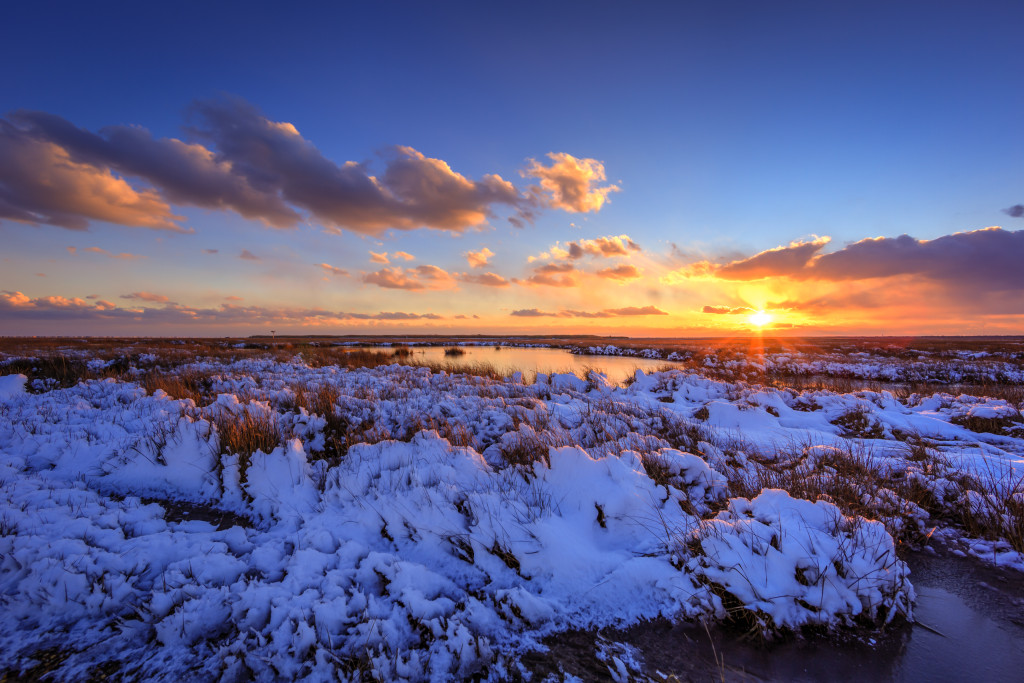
{"x":436,"y":526}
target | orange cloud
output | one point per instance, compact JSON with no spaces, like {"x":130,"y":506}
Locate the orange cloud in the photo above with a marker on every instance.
{"x":554,"y":275}
{"x":479,"y":259}
{"x":607,"y":247}
{"x":124,"y":256}
{"x":486,"y":279}
{"x":147,"y":296}
{"x":623,"y":273}
{"x":43,"y":184}
{"x":786,"y":260}
{"x":727,"y":310}
{"x":379,"y":258}
{"x":404,"y":255}
{"x":605,"y":313}
{"x":412,"y":279}
{"x":332,"y":269}
{"x":571,"y":183}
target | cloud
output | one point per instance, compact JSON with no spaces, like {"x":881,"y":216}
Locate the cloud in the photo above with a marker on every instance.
{"x":786,"y":260}
{"x":211,"y":251}
{"x":571,"y":183}
{"x":607,"y":247}
{"x":966,"y":263}
{"x":237,"y":160}
{"x":332,"y":269}
{"x":404,"y":255}
{"x":530,"y":313}
{"x":623,"y":273}
{"x":395,"y":316}
{"x":412,"y":279}
{"x":554,"y":275}
{"x":379,"y":258}
{"x":147,"y":296}
{"x":486,"y":279}
{"x":727,"y":310}
{"x":123,"y":256}
{"x":980,"y":260}
{"x":1017,"y":210}
{"x":41,"y":183}
{"x":413,"y":190}
{"x":185,"y":173}
{"x":606,"y":313}
{"x":479,"y":259}
{"x":249,"y":256}
{"x":633,"y":310}
{"x":233,"y":298}
{"x":16,"y":306}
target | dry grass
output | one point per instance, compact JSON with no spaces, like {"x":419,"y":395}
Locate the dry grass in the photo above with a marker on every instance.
{"x":993,"y":508}
{"x":850,"y":479}
{"x":243,"y":433}
{"x":857,"y":424}
{"x":193,"y":385}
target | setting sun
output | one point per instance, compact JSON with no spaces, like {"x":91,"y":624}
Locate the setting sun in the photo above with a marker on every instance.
{"x":760,"y":318}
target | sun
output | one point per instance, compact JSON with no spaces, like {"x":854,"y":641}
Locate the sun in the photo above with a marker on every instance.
{"x":759,"y":318}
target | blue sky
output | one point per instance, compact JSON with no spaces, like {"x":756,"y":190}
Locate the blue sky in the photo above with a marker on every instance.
{"x":727,"y":128}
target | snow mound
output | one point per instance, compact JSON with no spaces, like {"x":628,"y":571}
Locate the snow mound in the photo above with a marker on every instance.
{"x":791,"y":563}
{"x":12,"y":385}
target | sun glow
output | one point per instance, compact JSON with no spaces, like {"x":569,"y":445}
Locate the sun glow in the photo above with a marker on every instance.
{"x":759,"y":318}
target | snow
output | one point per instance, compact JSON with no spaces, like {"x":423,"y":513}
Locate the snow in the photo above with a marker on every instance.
{"x":415,"y":556}
{"x":12,"y":385}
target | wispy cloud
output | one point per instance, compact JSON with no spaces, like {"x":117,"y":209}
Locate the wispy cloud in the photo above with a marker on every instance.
{"x":605,"y":313}
{"x":248,"y":256}
{"x":332,"y":269}
{"x":379,"y":258}
{"x":18,"y":306}
{"x":726,"y":310}
{"x":122,"y":256}
{"x":147,"y":296}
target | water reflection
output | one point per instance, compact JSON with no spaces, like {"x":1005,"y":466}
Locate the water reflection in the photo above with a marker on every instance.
{"x":507,"y":360}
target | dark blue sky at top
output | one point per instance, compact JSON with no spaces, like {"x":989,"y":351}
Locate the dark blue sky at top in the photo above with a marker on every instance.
{"x":748,"y":121}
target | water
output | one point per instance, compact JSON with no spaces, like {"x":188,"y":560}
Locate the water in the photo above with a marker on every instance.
{"x":508,"y":360}
{"x":970,"y":627}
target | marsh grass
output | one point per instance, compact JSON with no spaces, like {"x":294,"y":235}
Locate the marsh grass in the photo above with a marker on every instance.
{"x":243,"y":433}
{"x":993,"y":507}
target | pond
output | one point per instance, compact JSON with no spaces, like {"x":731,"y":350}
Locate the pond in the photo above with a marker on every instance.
{"x":507,"y":360}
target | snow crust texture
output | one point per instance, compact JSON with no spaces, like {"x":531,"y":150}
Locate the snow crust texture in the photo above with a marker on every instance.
{"x":463,"y":520}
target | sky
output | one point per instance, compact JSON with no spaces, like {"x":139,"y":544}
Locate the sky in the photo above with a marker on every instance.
{"x":640,"y":169}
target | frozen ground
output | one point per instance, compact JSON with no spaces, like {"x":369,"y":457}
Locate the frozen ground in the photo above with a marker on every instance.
{"x":396,"y":523}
